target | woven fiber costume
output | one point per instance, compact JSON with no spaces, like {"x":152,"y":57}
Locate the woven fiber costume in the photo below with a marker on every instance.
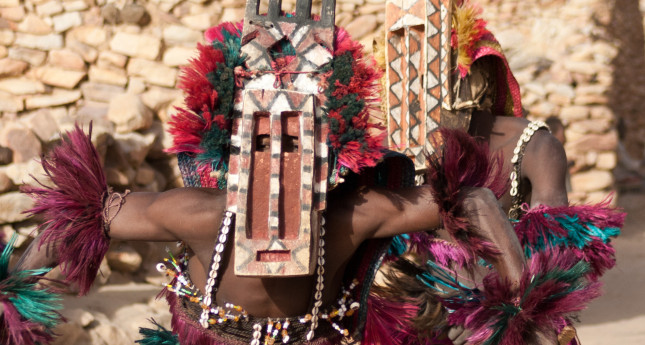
{"x":441,"y":56}
{"x":584,"y":229}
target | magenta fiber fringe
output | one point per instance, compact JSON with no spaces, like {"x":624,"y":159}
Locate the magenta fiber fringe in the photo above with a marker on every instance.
{"x":428,"y":247}
{"x":16,"y":330}
{"x":72,"y":209}
{"x":552,"y":288}
{"x":188,"y":331}
{"x":464,"y":162}
{"x":390,"y":323}
{"x":584,"y":229}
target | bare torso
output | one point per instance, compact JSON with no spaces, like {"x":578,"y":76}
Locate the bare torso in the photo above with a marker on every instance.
{"x":280,"y":297}
{"x":503,"y":139}
{"x":353,"y":215}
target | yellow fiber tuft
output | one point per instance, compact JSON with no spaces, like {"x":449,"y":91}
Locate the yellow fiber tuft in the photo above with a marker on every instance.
{"x":468,"y":28}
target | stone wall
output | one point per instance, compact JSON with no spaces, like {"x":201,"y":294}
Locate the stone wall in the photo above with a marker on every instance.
{"x":627,"y":97}
{"x":562,"y":55}
{"x":116,"y":63}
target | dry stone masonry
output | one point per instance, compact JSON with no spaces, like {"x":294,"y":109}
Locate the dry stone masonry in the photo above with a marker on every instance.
{"x":116,"y":63}
{"x":563,"y":56}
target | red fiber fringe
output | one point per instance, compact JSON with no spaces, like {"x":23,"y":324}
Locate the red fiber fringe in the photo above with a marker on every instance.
{"x":72,"y":209}
{"x":540,"y":308}
{"x":16,"y":330}
{"x":356,"y":155}
{"x":464,"y":162}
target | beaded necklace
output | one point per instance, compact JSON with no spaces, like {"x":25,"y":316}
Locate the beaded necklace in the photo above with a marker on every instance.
{"x":516,"y":160}
{"x":274,"y":328}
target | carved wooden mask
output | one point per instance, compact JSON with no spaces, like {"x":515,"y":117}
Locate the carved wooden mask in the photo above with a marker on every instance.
{"x":418,"y":69}
{"x":278,"y":163}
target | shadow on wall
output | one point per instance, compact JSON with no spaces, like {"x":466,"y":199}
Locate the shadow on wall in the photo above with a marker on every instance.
{"x":627,"y":96}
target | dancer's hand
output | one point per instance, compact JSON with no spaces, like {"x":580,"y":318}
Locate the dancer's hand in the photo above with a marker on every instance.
{"x":458,"y":335}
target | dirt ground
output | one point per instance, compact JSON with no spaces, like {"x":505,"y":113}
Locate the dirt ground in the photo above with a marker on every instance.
{"x":618,"y":317}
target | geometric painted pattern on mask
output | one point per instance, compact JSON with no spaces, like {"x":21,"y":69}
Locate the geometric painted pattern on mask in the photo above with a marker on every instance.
{"x":278,"y":196}
{"x":265,"y":246}
{"x":418,"y":72}
{"x":310,"y":42}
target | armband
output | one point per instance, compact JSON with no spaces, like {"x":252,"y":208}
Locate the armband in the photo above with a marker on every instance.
{"x":553,"y":287}
{"x":113,"y":201}
{"x":463,"y":162}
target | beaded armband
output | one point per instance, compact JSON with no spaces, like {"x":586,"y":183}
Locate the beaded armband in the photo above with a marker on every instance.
{"x":516,"y":172}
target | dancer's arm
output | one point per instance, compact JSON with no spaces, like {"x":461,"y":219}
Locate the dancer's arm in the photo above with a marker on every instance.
{"x":545,"y":166}
{"x":178,"y":214}
{"x":390,"y":213}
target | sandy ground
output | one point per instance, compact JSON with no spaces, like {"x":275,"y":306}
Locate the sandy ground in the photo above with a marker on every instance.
{"x":618,"y":317}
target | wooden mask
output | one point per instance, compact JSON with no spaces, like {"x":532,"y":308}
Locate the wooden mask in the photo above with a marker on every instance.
{"x":278,"y":164}
{"x":418,"y":72}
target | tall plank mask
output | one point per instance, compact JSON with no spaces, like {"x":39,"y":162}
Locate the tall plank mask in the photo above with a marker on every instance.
{"x":441,"y":65}
{"x":277,"y":110}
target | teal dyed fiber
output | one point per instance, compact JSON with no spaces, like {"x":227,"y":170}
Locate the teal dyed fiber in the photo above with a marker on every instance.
{"x":5,"y":256}
{"x":223,"y":77}
{"x":159,"y":336}
{"x":484,"y":263}
{"x":37,"y":305}
{"x":223,"y":81}
{"x":216,"y":141}
{"x":542,"y":244}
{"x":398,"y":245}
{"x":231,"y":48}
{"x":570,"y":276}
{"x":578,"y":235}
{"x":438,"y":275}
{"x":500,"y":326}
{"x":588,"y":229}
{"x":508,"y":309}
{"x":349,"y":105}
{"x":285,"y":49}
{"x":342,"y":72}
{"x":213,"y":143}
